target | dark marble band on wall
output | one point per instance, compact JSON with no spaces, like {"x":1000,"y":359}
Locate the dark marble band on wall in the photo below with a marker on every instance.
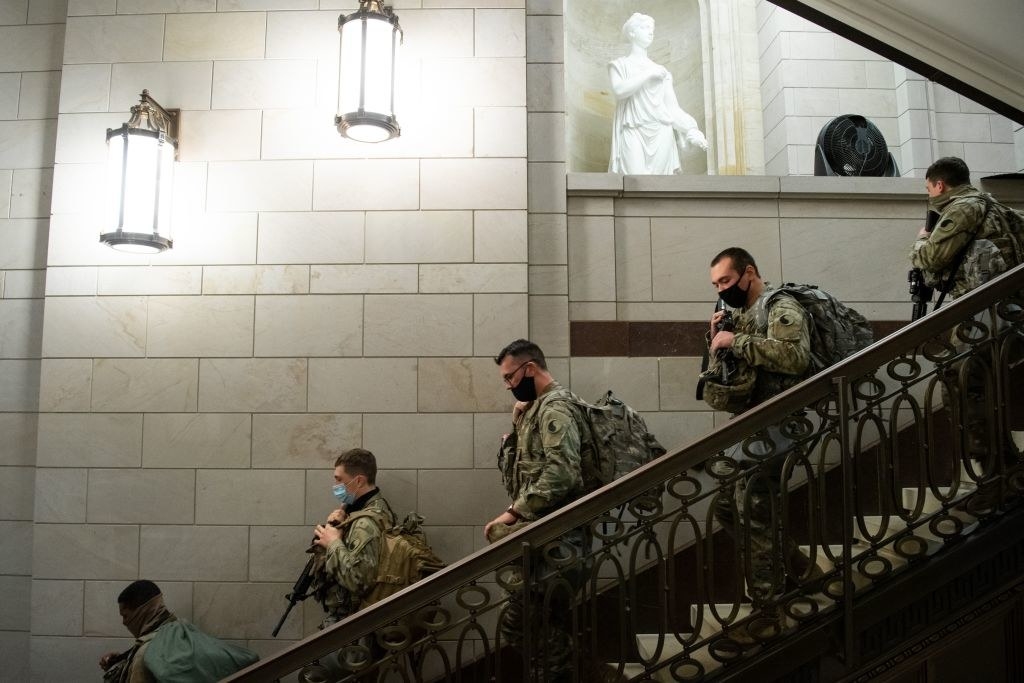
{"x":657,"y":338}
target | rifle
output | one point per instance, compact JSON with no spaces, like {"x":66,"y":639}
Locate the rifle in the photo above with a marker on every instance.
{"x":728,"y":361}
{"x":299,"y":592}
{"x":920,"y":293}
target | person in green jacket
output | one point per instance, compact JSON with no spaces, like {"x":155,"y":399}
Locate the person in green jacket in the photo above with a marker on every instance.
{"x":142,"y":610}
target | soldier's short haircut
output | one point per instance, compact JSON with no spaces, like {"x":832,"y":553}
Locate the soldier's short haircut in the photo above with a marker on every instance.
{"x":138,"y":593}
{"x":524,"y":349}
{"x":740,"y":258}
{"x":951,"y":170}
{"x":358,"y":461}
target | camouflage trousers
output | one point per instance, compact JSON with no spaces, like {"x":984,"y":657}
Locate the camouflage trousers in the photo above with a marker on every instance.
{"x":747,"y":508}
{"x":544,"y":612}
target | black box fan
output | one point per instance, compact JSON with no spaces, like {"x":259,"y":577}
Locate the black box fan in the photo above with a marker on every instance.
{"x":850,"y":145}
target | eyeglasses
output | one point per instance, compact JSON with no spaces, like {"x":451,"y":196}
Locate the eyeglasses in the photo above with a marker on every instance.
{"x":510,"y":376}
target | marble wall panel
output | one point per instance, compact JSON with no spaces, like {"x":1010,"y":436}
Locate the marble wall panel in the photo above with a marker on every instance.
{"x":356,"y":385}
{"x":147,"y":496}
{"x":101,"y":551}
{"x":418,"y":325}
{"x":367,"y":185}
{"x":591,"y":258}
{"x":311,"y":237}
{"x":473,"y":183}
{"x":18,"y":447}
{"x":57,"y":607}
{"x":61,"y":495}
{"x":145,"y":385}
{"x":19,"y":385}
{"x":419,"y":236}
{"x":16,"y":486}
{"x":482,"y":82}
{"x":461,"y":385}
{"x":500,"y":33}
{"x":34,"y":48}
{"x":177,"y":85}
{"x":303,"y":441}
{"x":200,"y":326}
{"x":256,"y":280}
{"x":317,"y":325}
{"x":398,"y":279}
{"x":252,"y":385}
{"x":16,"y":542}
{"x":84,"y":327}
{"x":91,"y":440}
{"x":260,"y":186}
{"x":197,"y":553}
{"x":499,"y":131}
{"x":242,"y":610}
{"x":21,"y":327}
{"x":481,"y":496}
{"x":277,"y":553}
{"x":497,"y":318}
{"x":215,"y":36}
{"x":420,"y":441}
{"x":499,"y":236}
{"x":98,"y":40}
{"x":268,"y":84}
{"x":200,"y":440}
{"x":634,"y":380}
{"x":16,"y":592}
{"x":271,"y":497}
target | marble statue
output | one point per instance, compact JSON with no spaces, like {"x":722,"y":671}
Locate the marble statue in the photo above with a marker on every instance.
{"x":648,"y":120}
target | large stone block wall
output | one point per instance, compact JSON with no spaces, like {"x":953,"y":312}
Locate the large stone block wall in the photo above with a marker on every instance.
{"x":31,"y":42}
{"x":175,"y":417}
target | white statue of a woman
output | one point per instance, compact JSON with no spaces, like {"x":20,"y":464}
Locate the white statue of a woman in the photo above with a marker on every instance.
{"x":647,"y":114}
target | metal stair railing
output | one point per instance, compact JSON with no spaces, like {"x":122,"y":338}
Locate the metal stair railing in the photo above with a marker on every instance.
{"x":859,"y":502}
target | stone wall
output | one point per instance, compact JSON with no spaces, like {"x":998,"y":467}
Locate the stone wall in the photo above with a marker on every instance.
{"x":31,"y":41}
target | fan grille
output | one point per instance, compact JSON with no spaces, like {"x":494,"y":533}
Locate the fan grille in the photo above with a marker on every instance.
{"x":853,"y":146}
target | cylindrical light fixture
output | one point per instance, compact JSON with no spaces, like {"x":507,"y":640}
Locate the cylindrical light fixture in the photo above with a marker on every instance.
{"x":140,"y":167}
{"x":366,"y":73}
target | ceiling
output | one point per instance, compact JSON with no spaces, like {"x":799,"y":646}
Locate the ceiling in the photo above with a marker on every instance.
{"x":974,"y":48}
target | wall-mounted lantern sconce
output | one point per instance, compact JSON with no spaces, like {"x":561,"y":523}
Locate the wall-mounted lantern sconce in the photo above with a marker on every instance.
{"x":140,"y":165}
{"x":366,"y":73}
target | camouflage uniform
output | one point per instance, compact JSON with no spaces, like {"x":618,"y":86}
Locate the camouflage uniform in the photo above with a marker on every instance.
{"x":542,"y":475}
{"x":961,"y":210}
{"x":348,"y":570}
{"x":776,"y":342}
{"x":965,"y":216}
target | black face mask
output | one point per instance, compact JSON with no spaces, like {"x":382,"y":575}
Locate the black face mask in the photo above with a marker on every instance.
{"x":526,"y":390}
{"x":734,"y":297}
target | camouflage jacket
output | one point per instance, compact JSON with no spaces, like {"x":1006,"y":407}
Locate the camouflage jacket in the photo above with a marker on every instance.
{"x":545,"y":471}
{"x":775,"y":341}
{"x":961,"y":212}
{"x":348,"y":570}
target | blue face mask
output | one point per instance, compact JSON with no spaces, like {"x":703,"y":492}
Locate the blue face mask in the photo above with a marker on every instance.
{"x":344,"y":496}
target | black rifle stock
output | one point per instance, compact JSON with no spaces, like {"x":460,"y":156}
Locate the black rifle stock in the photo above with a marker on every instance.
{"x":920,"y":293}
{"x":299,"y":592}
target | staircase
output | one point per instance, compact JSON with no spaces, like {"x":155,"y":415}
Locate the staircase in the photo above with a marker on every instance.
{"x":901,"y":478}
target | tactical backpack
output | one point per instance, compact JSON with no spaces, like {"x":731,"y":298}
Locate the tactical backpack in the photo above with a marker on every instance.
{"x":620,"y":441}
{"x":984,"y":258}
{"x":614,"y":439}
{"x":838,"y":330}
{"x":405,"y":555}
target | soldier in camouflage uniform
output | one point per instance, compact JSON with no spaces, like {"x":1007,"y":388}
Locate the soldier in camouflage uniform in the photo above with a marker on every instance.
{"x":542,"y":474}
{"x":774,"y":341}
{"x":349,"y":549}
{"x":967,"y":217}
